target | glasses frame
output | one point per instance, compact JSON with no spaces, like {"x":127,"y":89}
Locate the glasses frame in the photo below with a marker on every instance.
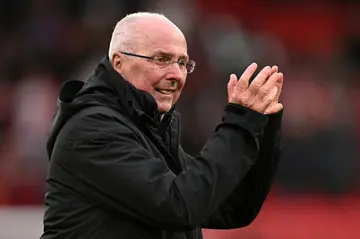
{"x":190,"y":65}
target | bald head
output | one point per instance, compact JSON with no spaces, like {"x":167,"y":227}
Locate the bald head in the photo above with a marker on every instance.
{"x":151,"y":35}
{"x":138,"y":30}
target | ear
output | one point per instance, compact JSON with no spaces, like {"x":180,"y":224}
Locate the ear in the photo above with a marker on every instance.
{"x":117,"y":61}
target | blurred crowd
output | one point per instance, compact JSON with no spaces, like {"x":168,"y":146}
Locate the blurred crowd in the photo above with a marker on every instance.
{"x":44,"y":43}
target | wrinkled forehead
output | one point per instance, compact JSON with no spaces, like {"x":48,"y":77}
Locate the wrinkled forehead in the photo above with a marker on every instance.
{"x":162,"y":37}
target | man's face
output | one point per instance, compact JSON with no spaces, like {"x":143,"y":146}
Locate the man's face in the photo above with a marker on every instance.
{"x":163,"y":82}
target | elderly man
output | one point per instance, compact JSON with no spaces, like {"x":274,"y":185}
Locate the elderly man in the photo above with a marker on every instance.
{"x":117,"y":169}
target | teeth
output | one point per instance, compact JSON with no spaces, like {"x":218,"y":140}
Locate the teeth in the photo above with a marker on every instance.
{"x":167,"y":92}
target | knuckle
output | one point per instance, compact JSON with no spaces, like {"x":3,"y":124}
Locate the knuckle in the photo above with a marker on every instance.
{"x":246,"y":101}
{"x":235,"y":98}
{"x":241,"y":100}
{"x":263,"y":91}
{"x":256,"y":84}
{"x":231,"y":84}
{"x":240,"y":90}
{"x":241,"y":83}
{"x":242,"y":79}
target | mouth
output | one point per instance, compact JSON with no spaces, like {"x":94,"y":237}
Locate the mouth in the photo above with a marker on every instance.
{"x":165,"y":92}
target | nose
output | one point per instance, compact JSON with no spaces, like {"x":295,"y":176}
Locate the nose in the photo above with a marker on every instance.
{"x":177,"y":72}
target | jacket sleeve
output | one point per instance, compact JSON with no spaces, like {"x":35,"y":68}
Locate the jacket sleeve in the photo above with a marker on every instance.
{"x":244,"y":204}
{"x":121,"y":176}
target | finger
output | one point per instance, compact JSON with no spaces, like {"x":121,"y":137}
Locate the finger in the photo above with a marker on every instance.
{"x":274,"y":109}
{"x":279,"y":85}
{"x":265,"y":89}
{"x":231,"y":85}
{"x":274,"y":69}
{"x":243,"y":82}
{"x":268,"y":99}
{"x":259,"y":79}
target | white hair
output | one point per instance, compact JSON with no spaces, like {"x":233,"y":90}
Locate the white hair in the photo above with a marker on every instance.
{"x":126,"y":32}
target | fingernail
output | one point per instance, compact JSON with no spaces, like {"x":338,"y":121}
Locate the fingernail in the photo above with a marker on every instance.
{"x":268,"y":69}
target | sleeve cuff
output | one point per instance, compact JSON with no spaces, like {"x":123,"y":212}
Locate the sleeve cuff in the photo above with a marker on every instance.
{"x":246,"y":117}
{"x":274,"y":120}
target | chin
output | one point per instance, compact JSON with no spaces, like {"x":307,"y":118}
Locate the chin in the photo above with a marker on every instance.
{"x":164,"y":108}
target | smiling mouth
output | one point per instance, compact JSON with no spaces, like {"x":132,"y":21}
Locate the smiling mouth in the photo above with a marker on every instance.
{"x":165,"y":92}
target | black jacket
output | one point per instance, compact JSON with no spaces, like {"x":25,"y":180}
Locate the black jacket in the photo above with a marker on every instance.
{"x":117,"y":171}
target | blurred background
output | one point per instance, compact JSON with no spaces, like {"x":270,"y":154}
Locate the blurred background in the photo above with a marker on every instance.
{"x":316,"y":44}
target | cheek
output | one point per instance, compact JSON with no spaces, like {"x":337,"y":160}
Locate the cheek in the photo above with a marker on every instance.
{"x":145,"y":80}
{"x":181,"y":84}
{"x":154,"y":79}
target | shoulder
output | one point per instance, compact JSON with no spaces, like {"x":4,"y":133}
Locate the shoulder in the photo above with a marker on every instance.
{"x":96,"y":121}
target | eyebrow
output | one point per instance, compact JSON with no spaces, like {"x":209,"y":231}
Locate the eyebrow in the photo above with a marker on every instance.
{"x":169,"y":54}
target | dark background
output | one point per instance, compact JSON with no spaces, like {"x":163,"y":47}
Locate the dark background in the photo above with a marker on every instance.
{"x":316,"y":44}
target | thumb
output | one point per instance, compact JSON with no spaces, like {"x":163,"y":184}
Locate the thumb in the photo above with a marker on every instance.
{"x":279,"y":86}
{"x":231,"y":85}
{"x":274,"y":108}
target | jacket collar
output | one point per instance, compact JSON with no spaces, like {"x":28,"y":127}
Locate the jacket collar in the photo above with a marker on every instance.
{"x":134,"y":100}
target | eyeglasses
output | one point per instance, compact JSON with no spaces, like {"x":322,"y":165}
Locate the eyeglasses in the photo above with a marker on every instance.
{"x":163,"y":61}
